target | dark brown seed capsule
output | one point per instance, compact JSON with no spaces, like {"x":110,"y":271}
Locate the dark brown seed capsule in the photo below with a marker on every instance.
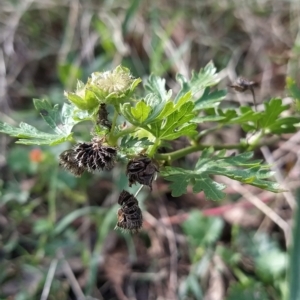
{"x":94,"y":156}
{"x":103,"y":116}
{"x":129,"y":215}
{"x":141,"y":170}
{"x":242,"y":84}
{"x":67,"y":161}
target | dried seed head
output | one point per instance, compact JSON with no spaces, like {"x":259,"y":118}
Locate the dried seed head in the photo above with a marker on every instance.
{"x":242,"y":84}
{"x":141,"y":170}
{"x":103,"y":116}
{"x":67,"y":161}
{"x":129,"y":215}
{"x":93,"y":156}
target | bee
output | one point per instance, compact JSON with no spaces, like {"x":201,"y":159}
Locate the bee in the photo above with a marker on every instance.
{"x":129,"y":215}
{"x":242,"y":84}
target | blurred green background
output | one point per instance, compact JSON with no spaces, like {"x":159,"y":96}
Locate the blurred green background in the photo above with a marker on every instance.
{"x":56,"y":231}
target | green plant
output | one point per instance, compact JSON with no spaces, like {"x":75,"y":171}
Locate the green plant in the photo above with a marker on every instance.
{"x":256,"y":261}
{"x":136,"y":130}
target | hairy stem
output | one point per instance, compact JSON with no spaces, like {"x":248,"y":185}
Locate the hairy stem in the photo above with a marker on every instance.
{"x":254,"y":99}
{"x":188,"y":150}
{"x":114,"y":121}
{"x":52,"y":197}
{"x":125,"y":132}
{"x":111,"y":138}
{"x":154,"y":147}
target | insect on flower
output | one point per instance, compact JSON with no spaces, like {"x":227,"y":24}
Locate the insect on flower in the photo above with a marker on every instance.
{"x":129,"y":215}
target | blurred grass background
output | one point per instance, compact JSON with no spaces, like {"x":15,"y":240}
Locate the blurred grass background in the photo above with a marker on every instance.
{"x":56,"y":231}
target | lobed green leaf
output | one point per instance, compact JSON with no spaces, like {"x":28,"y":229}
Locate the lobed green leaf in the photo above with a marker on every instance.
{"x":49,"y":114}
{"x":210,"y":99}
{"x":176,"y":124}
{"x":206,"y":77}
{"x":29,"y":135}
{"x":239,"y":168}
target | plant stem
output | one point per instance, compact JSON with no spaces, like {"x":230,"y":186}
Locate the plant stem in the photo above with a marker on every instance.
{"x":138,"y":191}
{"x":153,"y":148}
{"x":72,"y":140}
{"x":188,"y":150}
{"x":209,"y":130}
{"x":183,"y":152}
{"x":112,"y":139}
{"x":254,"y":99}
{"x":125,"y":132}
{"x":294,"y":259}
{"x":114,"y":121}
{"x":52,"y":197}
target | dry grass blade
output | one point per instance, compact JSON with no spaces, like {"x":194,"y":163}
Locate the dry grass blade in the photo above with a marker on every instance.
{"x":171,"y":237}
{"x":71,"y":277}
{"x":265,"y":209}
{"x":49,"y":279}
{"x":288,"y":195}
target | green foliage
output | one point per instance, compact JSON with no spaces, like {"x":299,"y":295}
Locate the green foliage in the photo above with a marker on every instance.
{"x":201,"y":230}
{"x":271,"y":265}
{"x":293,"y":89}
{"x":174,"y":125}
{"x":67,"y":70}
{"x":210,"y":99}
{"x":269,"y":260}
{"x":190,"y":286}
{"x":159,"y":117}
{"x":235,"y":167}
{"x":269,"y":120}
{"x":199,"y":82}
{"x":129,"y":143}
{"x":294,"y":258}
{"x":29,"y":135}
{"x":46,"y":211}
{"x":254,"y":291}
{"x":84,"y":98}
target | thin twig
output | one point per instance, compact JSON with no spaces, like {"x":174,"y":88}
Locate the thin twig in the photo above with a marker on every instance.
{"x":138,"y":191}
{"x":290,"y":199}
{"x":49,"y":279}
{"x":172,"y":247}
{"x":71,"y":277}
{"x":254,"y":99}
{"x":264,"y":208}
